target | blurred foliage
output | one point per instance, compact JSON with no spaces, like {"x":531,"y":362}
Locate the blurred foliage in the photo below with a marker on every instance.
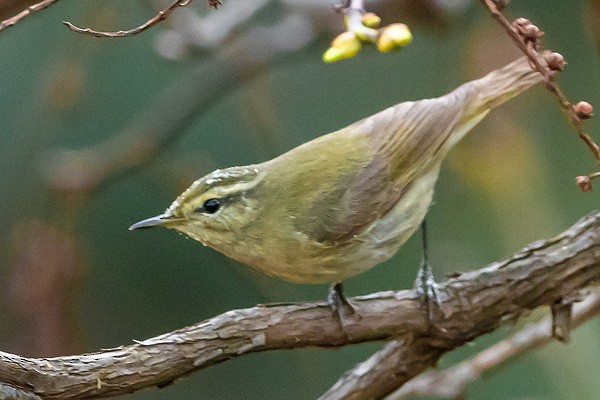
{"x":74,"y":279}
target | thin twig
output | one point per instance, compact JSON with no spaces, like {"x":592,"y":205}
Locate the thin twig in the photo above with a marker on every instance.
{"x":160,"y":16}
{"x":357,"y":4}
{"x":7,"y":23}
{"x":353,"y":11}
{"x":452,"y":382}
{"x":529,"y":48}
{"x":353,"y":19}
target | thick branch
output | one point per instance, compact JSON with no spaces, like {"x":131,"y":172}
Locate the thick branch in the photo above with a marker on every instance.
{"x":475,"y":303}
{"x":364,"y":382}
{"x":381,"y":373}
{"x":451,"y":383}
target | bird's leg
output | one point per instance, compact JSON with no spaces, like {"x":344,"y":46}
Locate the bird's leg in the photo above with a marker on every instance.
{"x":425,"y":282}
{"x":339,"y":303}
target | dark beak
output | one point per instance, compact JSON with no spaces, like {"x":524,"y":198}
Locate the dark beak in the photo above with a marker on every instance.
{"x":160,"y":220}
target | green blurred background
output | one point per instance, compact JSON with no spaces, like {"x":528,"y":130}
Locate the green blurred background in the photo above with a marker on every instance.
{"x":98,"y":134}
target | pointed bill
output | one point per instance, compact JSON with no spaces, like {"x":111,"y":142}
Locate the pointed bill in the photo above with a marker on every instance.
{"x":160,"y":220}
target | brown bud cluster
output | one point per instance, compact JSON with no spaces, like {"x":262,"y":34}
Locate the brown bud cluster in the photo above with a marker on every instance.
{"x":527,"y":30}
{"x":584,"y":110}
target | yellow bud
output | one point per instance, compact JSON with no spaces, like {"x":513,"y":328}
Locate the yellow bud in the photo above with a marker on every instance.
{"x":332,"y":54}
{"x":345,"y":39}
{"x":393,"y":36}
{"x":371,"y":20}
{"x":345,"y":45}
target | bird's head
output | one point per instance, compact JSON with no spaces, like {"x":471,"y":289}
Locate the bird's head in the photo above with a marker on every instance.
{"x":216,"y":209}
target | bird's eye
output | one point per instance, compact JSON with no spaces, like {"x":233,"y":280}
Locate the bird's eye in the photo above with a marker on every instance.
{"x":211,"y":206}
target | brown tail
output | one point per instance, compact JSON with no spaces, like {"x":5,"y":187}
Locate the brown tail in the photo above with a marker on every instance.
{"x":501,"y":85}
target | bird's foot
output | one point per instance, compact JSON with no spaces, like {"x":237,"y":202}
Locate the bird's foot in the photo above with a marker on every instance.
{"x":428,"y":288}
{"x":340,"y":305}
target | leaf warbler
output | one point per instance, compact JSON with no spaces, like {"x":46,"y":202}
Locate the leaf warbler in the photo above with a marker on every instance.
{"x":344,"y":202}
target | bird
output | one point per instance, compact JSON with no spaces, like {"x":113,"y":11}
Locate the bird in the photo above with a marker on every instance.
{"x":340,"y":204}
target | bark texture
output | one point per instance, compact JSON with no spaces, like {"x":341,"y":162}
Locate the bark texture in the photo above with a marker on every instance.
{"x":546,"y":272}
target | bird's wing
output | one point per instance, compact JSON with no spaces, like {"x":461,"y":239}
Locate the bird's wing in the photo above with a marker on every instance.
{"x":344,"y":181}
{"x":360,"y":172}
{"x":405,"y":143}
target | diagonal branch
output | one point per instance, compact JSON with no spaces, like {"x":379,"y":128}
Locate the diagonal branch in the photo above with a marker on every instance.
{"x":525,"y":35}
{"x":387,"y":369}
{"x":7,"y":23}
{"x":451,"y":383}
{"x":475,"y":303}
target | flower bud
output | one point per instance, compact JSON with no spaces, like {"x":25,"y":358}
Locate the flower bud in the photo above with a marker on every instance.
{"x":583,"y":109}
{"x":585,"y":183}
{"x":522,"y":21}
{"x":346,"y":39}
{"x":393,"y":36}
{"x":333,"y":54}
{"x":371,"y":20}
{"x":531,"y":32}
{"x":556,"y":62}
{"x":345,"y":45}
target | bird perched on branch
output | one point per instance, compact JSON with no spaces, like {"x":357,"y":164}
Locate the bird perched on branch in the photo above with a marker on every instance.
{"x":344,"y":202}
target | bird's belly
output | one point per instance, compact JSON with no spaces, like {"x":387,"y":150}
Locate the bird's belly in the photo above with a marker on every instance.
{"x":311,"y":262}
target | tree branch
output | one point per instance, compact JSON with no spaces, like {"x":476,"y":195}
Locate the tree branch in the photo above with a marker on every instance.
{"x":7,"y":23}
{"x":380,"y":374}
{"x":474,"y":303}
{"x":451,"y":383}
{"x":160,"y":16}
{"x":365,"y":381}
{"x":525,"y":35}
